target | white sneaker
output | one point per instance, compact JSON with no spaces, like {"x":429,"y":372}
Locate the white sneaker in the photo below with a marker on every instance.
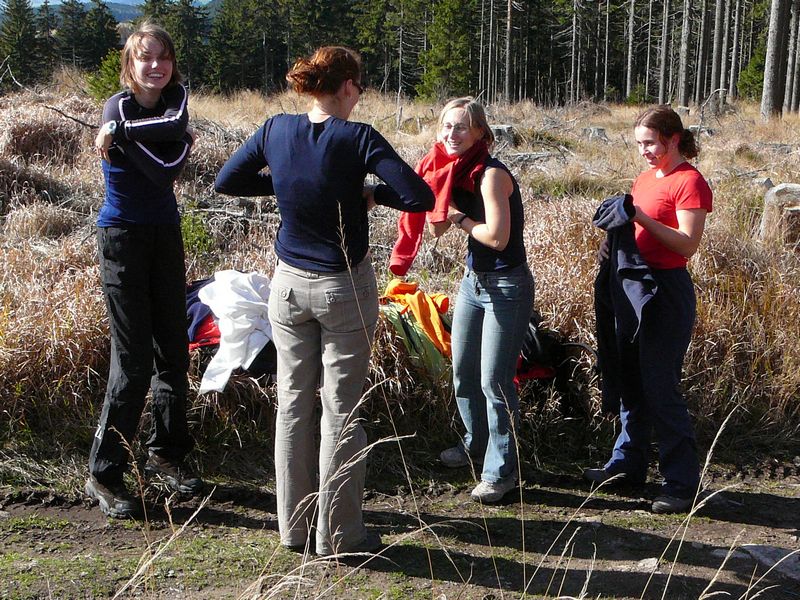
{"x":456,"y":457}
{"x":487,"y":492}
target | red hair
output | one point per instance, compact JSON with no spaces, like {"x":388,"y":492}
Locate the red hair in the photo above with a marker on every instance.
{"x":325,"y":71}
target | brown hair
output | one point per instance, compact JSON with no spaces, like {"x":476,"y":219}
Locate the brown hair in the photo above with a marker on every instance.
{"x":668,"y":123}
{"x":325,"y":71}
{"x":475,"y":113}
{"x":133,"y":48}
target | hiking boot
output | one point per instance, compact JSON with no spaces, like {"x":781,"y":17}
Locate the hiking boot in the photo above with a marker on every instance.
{"x":601,"y":476}
{"x":457,"y":457}
{"x":175,"y":475}
{"x":488,"y":493}
{"x":113,"y":498}
{"x":664,"y":505}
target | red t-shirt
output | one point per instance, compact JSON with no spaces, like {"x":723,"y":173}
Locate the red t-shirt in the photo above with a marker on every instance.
{"x":660,"y":198}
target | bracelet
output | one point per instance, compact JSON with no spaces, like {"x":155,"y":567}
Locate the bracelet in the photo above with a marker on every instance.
{"x":460,"y":220}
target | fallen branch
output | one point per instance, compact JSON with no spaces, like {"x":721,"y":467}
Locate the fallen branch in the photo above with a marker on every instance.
{"x":7,"y":71}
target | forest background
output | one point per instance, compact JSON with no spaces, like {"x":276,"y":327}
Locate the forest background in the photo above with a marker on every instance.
{"x":551,"y":52}
{"x":568,"y":79}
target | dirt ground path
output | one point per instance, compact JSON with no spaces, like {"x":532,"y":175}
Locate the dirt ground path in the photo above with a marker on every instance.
{"x":547,"y":541}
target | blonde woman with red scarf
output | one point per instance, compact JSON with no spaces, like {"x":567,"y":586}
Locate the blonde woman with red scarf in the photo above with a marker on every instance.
{"x":481,"y":199}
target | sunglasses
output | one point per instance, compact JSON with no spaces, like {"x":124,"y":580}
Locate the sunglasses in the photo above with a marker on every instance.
{"x":358,"y":86}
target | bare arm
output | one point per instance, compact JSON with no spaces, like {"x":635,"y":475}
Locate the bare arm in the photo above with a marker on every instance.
{"x":685,"y":239}
{"x":496,"y":189}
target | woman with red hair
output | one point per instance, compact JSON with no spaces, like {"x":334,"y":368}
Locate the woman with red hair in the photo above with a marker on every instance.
{"x":323,"y":304}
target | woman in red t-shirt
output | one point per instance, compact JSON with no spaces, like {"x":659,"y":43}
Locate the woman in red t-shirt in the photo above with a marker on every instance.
{"x":671,"y":200}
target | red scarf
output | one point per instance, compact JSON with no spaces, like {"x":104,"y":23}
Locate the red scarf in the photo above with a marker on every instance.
{"x":443,"y":172}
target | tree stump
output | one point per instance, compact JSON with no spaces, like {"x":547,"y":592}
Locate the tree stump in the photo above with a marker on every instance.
{"x":595,"y":133}
{"x":780,"y":221}
{"x":504,"y":135}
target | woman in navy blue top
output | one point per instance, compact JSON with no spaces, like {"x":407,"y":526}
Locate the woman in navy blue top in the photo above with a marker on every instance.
{"x":323,"y":304}
{"x":143,"y":143}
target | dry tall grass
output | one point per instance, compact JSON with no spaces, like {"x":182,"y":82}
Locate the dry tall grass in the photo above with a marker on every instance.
{"x":53,"y":340}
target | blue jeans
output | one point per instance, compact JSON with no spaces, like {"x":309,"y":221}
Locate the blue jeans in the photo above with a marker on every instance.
{"x":489,"y":325}
{"x":652,"y":398}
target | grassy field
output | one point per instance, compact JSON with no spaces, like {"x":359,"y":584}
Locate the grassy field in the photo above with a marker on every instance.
{"x":743,"y":361}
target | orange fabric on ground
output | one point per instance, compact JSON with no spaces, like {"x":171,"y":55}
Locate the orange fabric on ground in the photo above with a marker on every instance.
{"x":426,"y":309}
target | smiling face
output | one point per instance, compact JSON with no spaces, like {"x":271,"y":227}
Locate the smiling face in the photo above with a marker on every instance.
{"x":657,"y":151}
{"x":152,"y":66}
{"x":456,"y":133}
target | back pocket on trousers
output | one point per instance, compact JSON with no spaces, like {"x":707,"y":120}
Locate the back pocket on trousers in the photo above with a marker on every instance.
{"x":283,"y":306}
{"x":350,"y":309}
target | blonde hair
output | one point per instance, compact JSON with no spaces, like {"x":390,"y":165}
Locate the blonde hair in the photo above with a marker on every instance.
{"x":475,"y":113}
{"x":133,"y":48}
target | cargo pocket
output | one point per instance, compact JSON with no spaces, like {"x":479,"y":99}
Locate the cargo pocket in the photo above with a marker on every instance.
{"x":283,"y":306}
{"x":350,"y":309}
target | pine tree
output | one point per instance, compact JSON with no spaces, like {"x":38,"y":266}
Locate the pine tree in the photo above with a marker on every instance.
{"x":315,"y":23}
{"x":45,"y":32}
{"x":18,"y":43}
{"x":71,"y":33}
{"x":188,"y":26}
{"x":156,"y":11}
{"x":447,"y":69}
{"x":245,"y":48}
{"x":390,"y":35}
{"x":105,"y":82}
{"x":101,"y":30}
{"x":373,"y":42}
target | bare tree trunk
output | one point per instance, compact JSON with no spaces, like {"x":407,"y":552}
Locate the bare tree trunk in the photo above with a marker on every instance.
{"x":481,"y":67}
{"x":683,"y":67}
{"x":791,"y":54}
{"x":664,"y":66}
{"x":796,"y":79}
{"x":723,"y":67}
{"x":508,"y":52}
{"x":649,"y":46}
{"x":523,"y":94}
{"x":750,"y":40}
{"x":629,"y":69}
{"x":736,"y":49}
{"x":716,"y":58}
{"x":605,"y":60}
{"x":598,"y":36}
{"x":702,"y":55}
{"x":573,"y":67}
{"x":489,"y":70}
{"x":579,"y":60}
{"x":771,"y":96}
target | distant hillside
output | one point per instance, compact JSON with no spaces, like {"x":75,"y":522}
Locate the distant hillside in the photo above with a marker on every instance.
{"x":124,"y":11}
{"x":127,"y":10}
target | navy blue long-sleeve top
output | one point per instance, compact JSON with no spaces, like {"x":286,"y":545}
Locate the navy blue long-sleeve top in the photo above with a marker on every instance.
{"x":317,"y":172}
{"x":148,"y":151}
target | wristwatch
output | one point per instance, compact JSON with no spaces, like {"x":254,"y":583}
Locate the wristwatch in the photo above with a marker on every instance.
{"x":112,"y":127}
{"x":460,"y":220}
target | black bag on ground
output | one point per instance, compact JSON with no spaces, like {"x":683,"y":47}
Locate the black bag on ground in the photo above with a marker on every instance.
{"x":541,"y":347}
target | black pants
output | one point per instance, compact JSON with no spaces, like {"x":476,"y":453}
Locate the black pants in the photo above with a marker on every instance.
{"x":144,"y":281}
